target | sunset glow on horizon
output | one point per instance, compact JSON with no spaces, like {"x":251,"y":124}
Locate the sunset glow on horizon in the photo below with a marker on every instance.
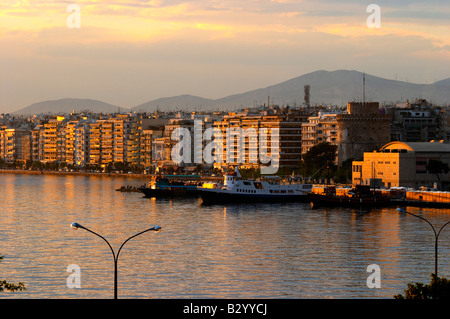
{"x":129,"y":52}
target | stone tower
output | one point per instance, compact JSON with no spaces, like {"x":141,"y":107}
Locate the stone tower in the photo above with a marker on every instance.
{"x":362,"y":129}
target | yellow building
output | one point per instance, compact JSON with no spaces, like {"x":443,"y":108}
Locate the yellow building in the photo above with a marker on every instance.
{"x":402,"y":164}
{"x":242,"y":144}
{"x":15,"y":144}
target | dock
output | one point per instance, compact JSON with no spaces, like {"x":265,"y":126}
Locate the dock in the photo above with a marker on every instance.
{"x":403,"y":196}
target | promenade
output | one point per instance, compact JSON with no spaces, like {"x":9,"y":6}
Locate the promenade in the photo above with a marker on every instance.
{"x":47,"y":172}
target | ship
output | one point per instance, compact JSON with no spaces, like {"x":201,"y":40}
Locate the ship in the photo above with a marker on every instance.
{"x":235,"y":189}
{"x":359,"y":196}
{"x":172,"y":186}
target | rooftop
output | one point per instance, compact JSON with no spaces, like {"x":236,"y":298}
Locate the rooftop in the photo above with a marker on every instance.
{"x":418,"y":147}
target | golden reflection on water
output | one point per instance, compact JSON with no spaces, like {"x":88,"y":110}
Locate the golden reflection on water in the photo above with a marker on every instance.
{"x":235,"y":251}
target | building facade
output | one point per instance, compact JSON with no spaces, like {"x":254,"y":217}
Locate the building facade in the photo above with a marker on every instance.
{"x":402,"y":164}
{"x":362,"y":129}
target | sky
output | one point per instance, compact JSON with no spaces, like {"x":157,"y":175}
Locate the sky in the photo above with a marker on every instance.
{"x":130,"y":52}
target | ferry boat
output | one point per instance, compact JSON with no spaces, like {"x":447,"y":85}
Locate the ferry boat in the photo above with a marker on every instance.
{"x":172,"y":186}
{"x":235,"y":189}
{"x":359,"y":196}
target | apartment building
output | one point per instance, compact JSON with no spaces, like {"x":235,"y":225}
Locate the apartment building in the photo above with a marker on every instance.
{"x":131,"y":132}
{"x":82,"y":149}
{"x":15,"y":144}
{"x":252,"y":139}
{"x":319,"y":129}
{"x":54,"y":141}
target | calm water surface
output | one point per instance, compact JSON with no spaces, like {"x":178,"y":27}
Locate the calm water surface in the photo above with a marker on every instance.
{"x":234,"y":251}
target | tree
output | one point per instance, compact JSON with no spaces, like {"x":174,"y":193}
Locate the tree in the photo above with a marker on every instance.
{"x":437,"y":167}
{"x":320,"y":157}
{"x":344,"y":172}
{"x":439,"y":288}
{"x":4,"y":285}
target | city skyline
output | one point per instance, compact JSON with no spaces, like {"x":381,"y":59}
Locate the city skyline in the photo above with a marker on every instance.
{"x":127,"y":53}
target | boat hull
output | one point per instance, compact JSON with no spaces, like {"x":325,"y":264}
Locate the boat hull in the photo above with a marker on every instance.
{"x":319,"y":200}
{"x":170,"y":192}
{"x":211,"y":197}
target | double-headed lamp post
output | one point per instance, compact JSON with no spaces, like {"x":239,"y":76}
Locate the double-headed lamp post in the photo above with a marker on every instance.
{"x":436,"y":237}
{"x":116,"y":257}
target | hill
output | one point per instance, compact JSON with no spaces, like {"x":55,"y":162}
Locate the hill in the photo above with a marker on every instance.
{"x":67,"y":106}
{"x":181,"y":102}
{"x":327,"y":88}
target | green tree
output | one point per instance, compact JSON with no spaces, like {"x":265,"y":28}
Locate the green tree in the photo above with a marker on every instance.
{"x":437,"y":168}
{"x":320,"y":157}
{"x":4,"y":285}
{"x":439,"y":288}
{"x":344,"y":172}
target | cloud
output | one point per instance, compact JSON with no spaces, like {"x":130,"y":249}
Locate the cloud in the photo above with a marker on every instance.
{"x":127,"y":52}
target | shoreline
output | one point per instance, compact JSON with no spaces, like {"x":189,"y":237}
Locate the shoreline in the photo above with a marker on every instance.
{"x":98,"y":174}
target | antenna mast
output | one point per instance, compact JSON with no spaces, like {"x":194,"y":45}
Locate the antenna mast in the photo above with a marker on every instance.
{"x":364,"y":88}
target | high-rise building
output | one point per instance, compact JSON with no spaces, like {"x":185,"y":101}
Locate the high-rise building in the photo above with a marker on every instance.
{"x":54,"y":141}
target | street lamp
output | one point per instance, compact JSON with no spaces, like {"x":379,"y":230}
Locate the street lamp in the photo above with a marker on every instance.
{"x":436,"y":237}
{"x":116,"y":257}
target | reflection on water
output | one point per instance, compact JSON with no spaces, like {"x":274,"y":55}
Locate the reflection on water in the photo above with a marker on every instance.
{"x":235,"y":251}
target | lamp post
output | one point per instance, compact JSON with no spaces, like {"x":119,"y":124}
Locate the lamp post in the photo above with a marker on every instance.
{"x":116,"y":257}
{"x":436,"y":237}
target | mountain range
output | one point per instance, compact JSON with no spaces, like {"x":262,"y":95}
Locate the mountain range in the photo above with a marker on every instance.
{"x":326,"y":88}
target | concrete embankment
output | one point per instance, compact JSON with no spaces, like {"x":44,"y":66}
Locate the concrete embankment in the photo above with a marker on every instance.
{"x":403,"y":197}
{"x":10,"y":171}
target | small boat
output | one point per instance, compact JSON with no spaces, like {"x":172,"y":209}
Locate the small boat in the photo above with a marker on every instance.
{"x":128,"y":189}
{"x":162,"y":186}
{"x":235,"y":189}
{"x":359,"y":196}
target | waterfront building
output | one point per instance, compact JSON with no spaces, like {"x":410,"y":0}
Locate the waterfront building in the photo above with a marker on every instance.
{"x":152,"y":128}
{"x":158,"y":144}
{"x":70,"y":142}
{"x":95,"y":143}
{"x":174,"y":133}
{"x":54,"y":140}
{"x":132,"y":126}
{"x":362,"y":129}
{"x":37,"y":143}
{"x":15,"y":145}
{"x":2,"y":142}
{"x":82,"y":144}
{"x":418,"y":122}
{"x":290,"y":142}
{"x":106,"y":142}
{"x":319,"y":129}
{"x":242,"y":145}
{"x":402,"y":164}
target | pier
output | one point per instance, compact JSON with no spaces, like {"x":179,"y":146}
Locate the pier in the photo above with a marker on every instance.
{"x":401,"y":197}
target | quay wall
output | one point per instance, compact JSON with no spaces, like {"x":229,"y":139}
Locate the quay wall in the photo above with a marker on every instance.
{"x":407,"y":195}
{"x":428,"y":196}
{"x":18,"y":171}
